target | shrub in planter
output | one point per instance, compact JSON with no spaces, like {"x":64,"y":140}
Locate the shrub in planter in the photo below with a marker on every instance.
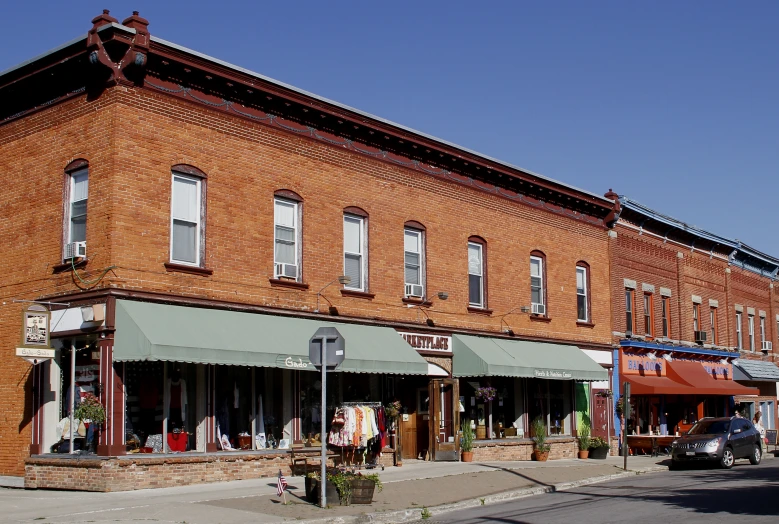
{"x":599,"y":448}
{"x":584,"y":440}
{"x":466,"y":441}
{"x":541,"y":453}
{"x":347,"y":487}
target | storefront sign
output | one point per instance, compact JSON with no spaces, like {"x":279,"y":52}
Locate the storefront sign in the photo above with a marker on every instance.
{"x":294,"y":362}
{"x":422,"y":342}
{"x":35,"y":327}
{"x":553,"y":374}
{"x":35,"y":355}
{"x":632,"y":364}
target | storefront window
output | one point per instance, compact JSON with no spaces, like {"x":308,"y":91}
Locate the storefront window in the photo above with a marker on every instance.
{"x":551,"y":400}
{"x":311,"y":403}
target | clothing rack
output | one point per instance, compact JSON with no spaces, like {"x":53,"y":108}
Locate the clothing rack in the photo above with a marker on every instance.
{"x":362,"y":465}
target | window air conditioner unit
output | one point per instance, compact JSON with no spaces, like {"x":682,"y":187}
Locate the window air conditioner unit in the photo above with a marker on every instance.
{"x":414,"y":290}
{"x":700,"y":337}
{"x":75,"y":250}
{"x":287,"y":270}
{"x":767,"y":345}
{"x":538,"y":309}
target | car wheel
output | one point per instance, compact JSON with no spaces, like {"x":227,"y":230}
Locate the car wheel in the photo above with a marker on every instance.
{"x":727,"y":460}
{"x":756,"y":455}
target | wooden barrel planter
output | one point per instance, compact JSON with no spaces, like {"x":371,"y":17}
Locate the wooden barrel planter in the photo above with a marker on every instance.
{"x":313,"y":492}
{"x":481,"y":432}
{"x":362,"y":491}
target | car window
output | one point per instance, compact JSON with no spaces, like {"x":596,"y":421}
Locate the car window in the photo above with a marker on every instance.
{"x":745,"y":425}
{"x":710,"y":427}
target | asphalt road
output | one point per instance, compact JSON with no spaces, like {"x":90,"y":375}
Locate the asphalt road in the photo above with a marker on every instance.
{"x":695,"y":495}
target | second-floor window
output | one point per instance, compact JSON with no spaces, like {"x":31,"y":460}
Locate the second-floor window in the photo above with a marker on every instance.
{"x":286,"y":239}
{"x":414,"y":267}
{"x":475,"y":274}
{"x":185,"y":220}
{"x":751,"y":326}
{"x":695,"y":324}
{"x":762,"y":331}
{"x":79,"y":192}
{"x":713,"y":318}
{"x":629,"y":307}
{"x":537,"y":301}
{"x":582,"y":300}
{"x":354,"y":252}
{"x":666,"y":312}
{"x":648,"y":305}
{"x":739,"y":335}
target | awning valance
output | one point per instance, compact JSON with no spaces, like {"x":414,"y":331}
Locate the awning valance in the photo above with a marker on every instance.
{"x":147,"y":331}
{"x":486,"y":356}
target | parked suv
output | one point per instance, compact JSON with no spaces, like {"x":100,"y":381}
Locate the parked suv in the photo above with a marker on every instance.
{"x":718,"y":439}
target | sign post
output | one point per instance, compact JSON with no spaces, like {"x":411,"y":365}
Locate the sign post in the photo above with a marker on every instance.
{"x":320,"y":357}
{"x":626,"y":411}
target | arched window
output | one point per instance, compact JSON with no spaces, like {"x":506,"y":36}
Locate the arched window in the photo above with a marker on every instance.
{"x":538,"y":298}
{"x":477,"y":272}
{"x":77,"y":191}
{"x":287,"y":249}
{"x":583,"y":301}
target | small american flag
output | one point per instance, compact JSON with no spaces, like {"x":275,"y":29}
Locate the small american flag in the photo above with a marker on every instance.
{"x":281,"y":485}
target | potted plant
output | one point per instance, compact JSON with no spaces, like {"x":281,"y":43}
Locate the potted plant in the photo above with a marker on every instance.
{"x":599,"y":448}
{"x":541,"y":452}
{"x":347,"y":487}
{"x":466,"y":441}
{"x":392,"y":410}
{"x":91,"y":411}
{"x":584,"y":440}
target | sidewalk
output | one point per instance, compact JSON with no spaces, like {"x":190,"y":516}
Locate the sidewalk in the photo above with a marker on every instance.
{"x":407,"y":490}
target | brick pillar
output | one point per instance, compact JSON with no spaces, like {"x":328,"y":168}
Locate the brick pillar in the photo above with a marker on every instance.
{"x":730,"y":311}
{"x":39,"y":390}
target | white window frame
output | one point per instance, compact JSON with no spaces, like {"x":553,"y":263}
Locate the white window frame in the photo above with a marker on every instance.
{"x":480,"y":274}
{"x":198,"y":224}
{"x":762,"y":331}
{"x":421,"y":243}
{"x":72,"y":192}
{"x":751,"y":325}
{"x":295,"y":235}
{"x":714,"y":325}
{"x":540,"y":278}
{"x":739,"y":334}
{"x":695,"y":320}
{"x":363,"y":284}
{"x":585,"y":276}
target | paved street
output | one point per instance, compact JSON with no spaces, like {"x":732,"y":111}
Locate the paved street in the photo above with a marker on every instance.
{"x":699,"y":495}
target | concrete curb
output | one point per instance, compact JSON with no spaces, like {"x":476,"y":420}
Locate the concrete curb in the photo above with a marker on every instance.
{"x":414,"y":514}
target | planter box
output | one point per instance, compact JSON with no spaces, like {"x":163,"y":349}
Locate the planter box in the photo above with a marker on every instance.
{"x":362,"y":492}
{"x":599,"y":453}
{"x":313,"y":492}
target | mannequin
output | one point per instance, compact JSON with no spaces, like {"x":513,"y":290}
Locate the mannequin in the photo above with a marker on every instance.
{"x":177,"y":399}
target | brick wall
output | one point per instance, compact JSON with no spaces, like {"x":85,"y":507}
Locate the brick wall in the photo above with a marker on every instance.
{"x":561,"y":448}
{"x":131,"y":138}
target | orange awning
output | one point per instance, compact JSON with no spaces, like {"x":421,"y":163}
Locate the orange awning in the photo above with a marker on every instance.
{"x":695,"y":375}
{"x":653,"y":385}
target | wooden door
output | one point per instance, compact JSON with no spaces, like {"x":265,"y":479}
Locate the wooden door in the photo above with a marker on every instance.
{"x":600,"y":414}
{"x":408,"y":428}
{"x":444,"y":419}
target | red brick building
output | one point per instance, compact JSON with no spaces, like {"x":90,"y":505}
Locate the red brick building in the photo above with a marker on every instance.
{"x":185,"y":221}
{"x":684,"y":300}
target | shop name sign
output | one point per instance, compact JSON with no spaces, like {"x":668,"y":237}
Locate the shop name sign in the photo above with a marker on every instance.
{"x":291,"y":362}
{"x":641,"y":365}
{"x":552,"y":373}
{"x":428,"y":342}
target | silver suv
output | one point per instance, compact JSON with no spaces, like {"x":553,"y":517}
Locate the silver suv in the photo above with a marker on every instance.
{"x":718,"y":439}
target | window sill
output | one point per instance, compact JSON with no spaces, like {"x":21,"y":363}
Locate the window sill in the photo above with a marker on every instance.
{"x":480,"y":311}
{"x":65,"y":266}
{"x":540,"y":318}
{"x":417,"y":301}
{"x":357,"y":294}
{"x":192,"y":270}
{"x":291,"y":284}
{"x":581,"y":323}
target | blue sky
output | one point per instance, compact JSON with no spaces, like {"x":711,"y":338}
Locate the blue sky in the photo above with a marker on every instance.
{"x":673,"y":104}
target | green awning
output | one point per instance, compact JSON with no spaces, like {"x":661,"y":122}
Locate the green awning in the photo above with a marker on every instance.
{"x":497,"y":357}
{"x":146,"y":331}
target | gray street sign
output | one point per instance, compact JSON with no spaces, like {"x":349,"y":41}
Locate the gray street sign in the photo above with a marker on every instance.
{"x":336,"y":347}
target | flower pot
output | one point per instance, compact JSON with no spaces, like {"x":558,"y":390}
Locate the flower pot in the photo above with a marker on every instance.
{"x":599,"y":453}
{"x":481,"y":432}
{"x":467,"y":456}
{"x":540,"y":456}
{"x":362,"y":491}
{"x":313,"y":492}
{"x":584,"y":453}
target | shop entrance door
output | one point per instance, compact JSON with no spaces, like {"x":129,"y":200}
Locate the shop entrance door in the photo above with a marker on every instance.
{"x":444,"y":419}
{"x":600,"y":414}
